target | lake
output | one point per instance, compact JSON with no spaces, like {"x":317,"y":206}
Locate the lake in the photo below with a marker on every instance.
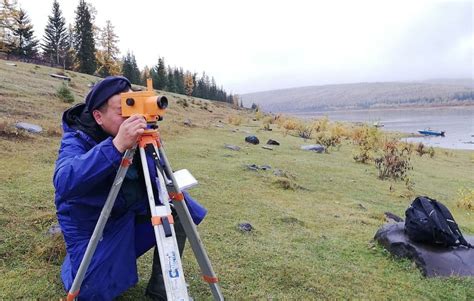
{"x":457,"y":122}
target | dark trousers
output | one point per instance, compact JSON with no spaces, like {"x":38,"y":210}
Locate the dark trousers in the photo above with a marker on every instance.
{"x":156,"y":286}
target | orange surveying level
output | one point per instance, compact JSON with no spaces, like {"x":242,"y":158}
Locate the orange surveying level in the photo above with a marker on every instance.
{"x":145,"y":103}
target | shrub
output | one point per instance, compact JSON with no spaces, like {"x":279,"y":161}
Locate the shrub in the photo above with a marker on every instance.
{"x":368,"y":140}
{"x":328,"y":139}
{"x":466,"y":198}
{"x":394,"y":162}
{"x":234,"y":119}
{"x":64,"y":93}
{"x":320,"y":125}
{"x":304,"y":131}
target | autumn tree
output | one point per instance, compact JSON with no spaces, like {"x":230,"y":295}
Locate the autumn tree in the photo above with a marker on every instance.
{"x":107,"y":55}
{"x":8,"y":12}
{"x":188,"y":83}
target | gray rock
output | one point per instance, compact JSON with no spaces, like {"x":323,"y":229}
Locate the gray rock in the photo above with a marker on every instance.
{"x":188,"y":123}
{"x":32,"y":128}
{"x":245,"y":227}
{"x":54,"y":230}
{"x":433,"y":261}
{"x":232,"y":147}
{"x":267,"y":147}
{"x":265,"y":167}
{"x":314,"y":147}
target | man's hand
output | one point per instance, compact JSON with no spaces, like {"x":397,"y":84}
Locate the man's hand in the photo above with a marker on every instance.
{"x":128,"y":132}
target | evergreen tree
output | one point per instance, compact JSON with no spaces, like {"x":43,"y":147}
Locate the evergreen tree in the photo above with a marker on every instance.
{"x":25,"y":43}
{"x":107,"y":56}
{"x":171,"y":86}
{"x":159,"y":75}
{"x":130,"y":69}
{"x":55,"y":36}
{"x":84,"y":43}
{"x":179,"y":77}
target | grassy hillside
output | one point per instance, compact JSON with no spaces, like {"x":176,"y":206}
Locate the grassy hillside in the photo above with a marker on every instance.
{"x":364,"y":96}
{"x":311,"y":243}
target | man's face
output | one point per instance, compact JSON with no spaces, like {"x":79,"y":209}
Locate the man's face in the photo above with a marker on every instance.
{"x":109,"y":116}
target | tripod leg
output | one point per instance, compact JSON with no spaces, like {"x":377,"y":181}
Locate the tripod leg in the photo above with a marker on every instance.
{"x":99,"y":227}
{"x":191,"y":232}
{"x":165,"y":235}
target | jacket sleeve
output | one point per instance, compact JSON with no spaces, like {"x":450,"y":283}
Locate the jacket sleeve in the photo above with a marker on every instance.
{"x":79,"y":169}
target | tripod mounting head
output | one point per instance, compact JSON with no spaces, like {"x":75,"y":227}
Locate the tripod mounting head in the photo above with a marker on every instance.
{"x":146,"y":103}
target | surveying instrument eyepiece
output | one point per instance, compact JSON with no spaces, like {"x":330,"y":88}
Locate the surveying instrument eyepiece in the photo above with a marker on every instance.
{"x":168,"y":193}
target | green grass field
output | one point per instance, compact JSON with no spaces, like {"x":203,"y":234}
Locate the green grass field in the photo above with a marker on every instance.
{"x":312,"y":243}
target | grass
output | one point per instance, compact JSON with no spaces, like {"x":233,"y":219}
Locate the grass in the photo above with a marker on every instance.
{"x":311,"y":243}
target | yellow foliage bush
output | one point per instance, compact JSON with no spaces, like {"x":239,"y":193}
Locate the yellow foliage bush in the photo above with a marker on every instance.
{"x":234,"y":119}
{"x":466,"y":198}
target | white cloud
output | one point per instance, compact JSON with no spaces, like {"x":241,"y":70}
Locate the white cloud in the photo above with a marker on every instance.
{"x":255,"y":45}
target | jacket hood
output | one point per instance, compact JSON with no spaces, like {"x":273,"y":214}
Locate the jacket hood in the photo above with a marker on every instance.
{"x":78,"y":118}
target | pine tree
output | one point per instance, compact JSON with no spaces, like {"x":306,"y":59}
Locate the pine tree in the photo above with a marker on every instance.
{"x":171,"y":84}
{"x":179,"y":79}
{"x":25,"y":42}
{"x":107,"y":56}
{"x":84,"y":43}
{"x":130,"y":69}
{"x":55,"y":36}
{"x":159,"y":75}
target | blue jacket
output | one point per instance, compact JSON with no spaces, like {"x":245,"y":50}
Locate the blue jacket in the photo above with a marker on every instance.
{"x":84,"y":173}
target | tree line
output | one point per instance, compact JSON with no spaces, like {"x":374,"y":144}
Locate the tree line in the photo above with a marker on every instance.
{"x":86,"y":48}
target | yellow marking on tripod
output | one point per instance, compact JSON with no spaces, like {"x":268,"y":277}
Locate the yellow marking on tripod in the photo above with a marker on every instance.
{"x":176,"y":196}
{"x":156,"y":220}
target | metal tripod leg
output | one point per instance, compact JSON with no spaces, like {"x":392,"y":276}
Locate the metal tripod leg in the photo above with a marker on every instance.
{"x":171,"y":266}
{"x":191,"y":232}
{"x":99,"y":227}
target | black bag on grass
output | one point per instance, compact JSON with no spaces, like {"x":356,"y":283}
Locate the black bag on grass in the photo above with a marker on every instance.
{"x":429,"y":221}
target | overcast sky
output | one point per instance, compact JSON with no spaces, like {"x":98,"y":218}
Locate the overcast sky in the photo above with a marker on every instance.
{"x":256,"y":45}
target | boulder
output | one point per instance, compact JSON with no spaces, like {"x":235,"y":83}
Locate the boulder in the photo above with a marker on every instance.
{"x":252,"y":140}
{"x":314,"y":147}
{"x":433,"y":261}
{"x":245,"y":227}
{"x":272,"y":142}
{"x":32,"y":128}
{"x":232,"y":147}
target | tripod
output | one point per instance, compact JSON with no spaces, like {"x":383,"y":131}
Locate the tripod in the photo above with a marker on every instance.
{"x":161,"y":219}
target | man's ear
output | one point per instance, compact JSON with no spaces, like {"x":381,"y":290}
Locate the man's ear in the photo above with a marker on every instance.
{"x":97,"y":116}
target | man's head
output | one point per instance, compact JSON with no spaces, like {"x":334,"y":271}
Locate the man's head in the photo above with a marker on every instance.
{"x":103,"y":101}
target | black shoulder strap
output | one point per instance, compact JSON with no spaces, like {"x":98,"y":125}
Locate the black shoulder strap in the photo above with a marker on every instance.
{"x":453,"y":226}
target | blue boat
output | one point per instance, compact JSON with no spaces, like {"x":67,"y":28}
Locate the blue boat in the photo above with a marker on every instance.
{"x":429,"y":132}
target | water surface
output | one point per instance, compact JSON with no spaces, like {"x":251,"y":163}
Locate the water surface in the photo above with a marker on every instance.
{"x":457,"y":122}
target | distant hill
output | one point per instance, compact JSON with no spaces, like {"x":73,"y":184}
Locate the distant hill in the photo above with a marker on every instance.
{"x":364,"y":95}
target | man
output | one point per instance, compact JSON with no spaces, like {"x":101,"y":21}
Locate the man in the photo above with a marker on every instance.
{"x":95,"y":138}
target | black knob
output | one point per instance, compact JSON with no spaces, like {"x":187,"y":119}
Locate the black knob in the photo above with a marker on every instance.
{"x":130,"y":102}
{"x":162,"y":102}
